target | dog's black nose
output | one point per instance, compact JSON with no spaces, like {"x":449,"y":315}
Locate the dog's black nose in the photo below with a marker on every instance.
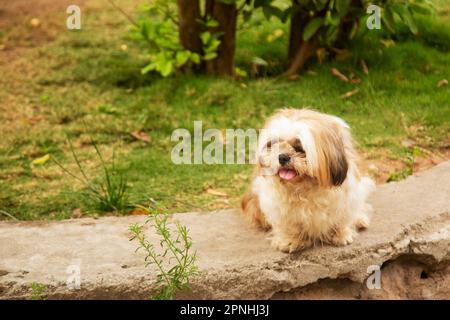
{"x":283,"y":158}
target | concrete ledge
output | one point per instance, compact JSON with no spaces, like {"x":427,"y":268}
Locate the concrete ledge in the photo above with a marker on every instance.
{"x":409,"y":236}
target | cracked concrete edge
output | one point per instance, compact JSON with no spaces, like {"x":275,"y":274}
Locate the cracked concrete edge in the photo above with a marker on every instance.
{"x":430,"y":247}
{"x":412,"y":218}
{"x":268,"y":278}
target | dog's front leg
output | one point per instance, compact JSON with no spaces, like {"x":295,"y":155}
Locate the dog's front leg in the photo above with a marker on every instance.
{"x":343,"y":236}
{"x":288,"y":241}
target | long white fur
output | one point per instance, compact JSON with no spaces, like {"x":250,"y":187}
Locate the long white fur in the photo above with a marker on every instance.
{"x":302,"y":216}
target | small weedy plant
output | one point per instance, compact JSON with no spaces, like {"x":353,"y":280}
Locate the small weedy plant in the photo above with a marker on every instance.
{"x":110,"y":192}
{"x":173,"y":258}
{"x":38,"y":291}
{"x":409,"y":170}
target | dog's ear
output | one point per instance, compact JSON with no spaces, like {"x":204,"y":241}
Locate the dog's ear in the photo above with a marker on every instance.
{"x":332,"y":165}
{"x":338,"y":166}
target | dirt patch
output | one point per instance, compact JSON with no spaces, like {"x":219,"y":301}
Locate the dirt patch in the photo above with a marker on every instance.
{"x":14,"y":12}
{"x":382,"y":169}
{"x":30,"y":25}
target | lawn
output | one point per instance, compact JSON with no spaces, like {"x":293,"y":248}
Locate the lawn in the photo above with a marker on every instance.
{"x":60,"y":86}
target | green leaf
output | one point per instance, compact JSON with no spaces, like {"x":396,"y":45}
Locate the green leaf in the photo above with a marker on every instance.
{"x":195,"y":57}
{"x":259,"y":61}
{"x":261,"y":3}
{"x":388,"y":19}
{"x":354,"y":30}
{"x":210,"y":56}
{"x":150,"y":67}
{"x":332,"y":19}
{"x":215,"y":43}
{"x":247,"y":14}
{"x":205,"y":36}
{"x":342,"y":6}
{"x":312,"y":27}
{"x":165,"y":68}
{"x":241,"y":73}
{"x":211,"y":23}
{"x":421,"y":9}
{"x":182,"y":57}
{"x":320,"y":4}
{"x":144,"y":30}
{"x":410,"y":22}
{"x":406,"y":16}
{"x":270,"y":11}
{"x":331,"y":35}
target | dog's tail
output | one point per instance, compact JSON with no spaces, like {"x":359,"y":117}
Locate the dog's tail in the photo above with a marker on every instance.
{"x":252,"y":211}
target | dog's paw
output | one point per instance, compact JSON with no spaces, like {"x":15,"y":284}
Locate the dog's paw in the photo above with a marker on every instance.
{"x":343,"y":237}
{"x":288,"y":245}
{"x":362,"y":222}
{"x":283,"y":245}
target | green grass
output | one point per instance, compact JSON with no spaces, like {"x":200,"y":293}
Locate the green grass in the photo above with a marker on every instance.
{"x":84,"y":85}
{"x":107,"y":194}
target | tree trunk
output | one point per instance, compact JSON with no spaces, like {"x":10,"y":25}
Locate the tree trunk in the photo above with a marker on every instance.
{"x":345,"y":29}
{"x":189,"y":27}
{"x":226,"y":16}
{"x":347,"y":24}
{"x":296,"y":34}
{"x":300,"y":51}
{"x":304,"y":53}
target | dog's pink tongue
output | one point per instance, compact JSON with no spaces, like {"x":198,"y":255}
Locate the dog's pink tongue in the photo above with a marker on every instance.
{"x":287,"y":174}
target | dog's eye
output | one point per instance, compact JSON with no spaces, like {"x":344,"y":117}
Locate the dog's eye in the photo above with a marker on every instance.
{"x":270,"y":143}
{"x":299,"y":148}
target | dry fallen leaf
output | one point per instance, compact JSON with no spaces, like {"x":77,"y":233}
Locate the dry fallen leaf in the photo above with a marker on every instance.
{"x":293,"y":77}
{"x":138,"y":212}
{"x":216,"y":192}
{"x":349,"y":94}
{"x":388,"y":43}
{"x":223,"y":200}
{"x":443,"y":82}
{"x":364,"y":67}
{"x":354,"y":79}
{"x":335,"y":72}
{"x":35,"y":22}
{"x":408,"y":143}
{"x":40,"y":161}
{"x":142,"y":136}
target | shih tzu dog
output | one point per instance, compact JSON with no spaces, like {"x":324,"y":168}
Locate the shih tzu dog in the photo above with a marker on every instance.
{"x":307,"y":187}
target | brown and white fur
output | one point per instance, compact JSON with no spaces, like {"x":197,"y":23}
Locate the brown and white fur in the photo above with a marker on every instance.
{"x":307,"y":187}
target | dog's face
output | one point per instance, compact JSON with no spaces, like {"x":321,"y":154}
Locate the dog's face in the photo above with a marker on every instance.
{"x":285,"y":158}
{"x":305,"y":144}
